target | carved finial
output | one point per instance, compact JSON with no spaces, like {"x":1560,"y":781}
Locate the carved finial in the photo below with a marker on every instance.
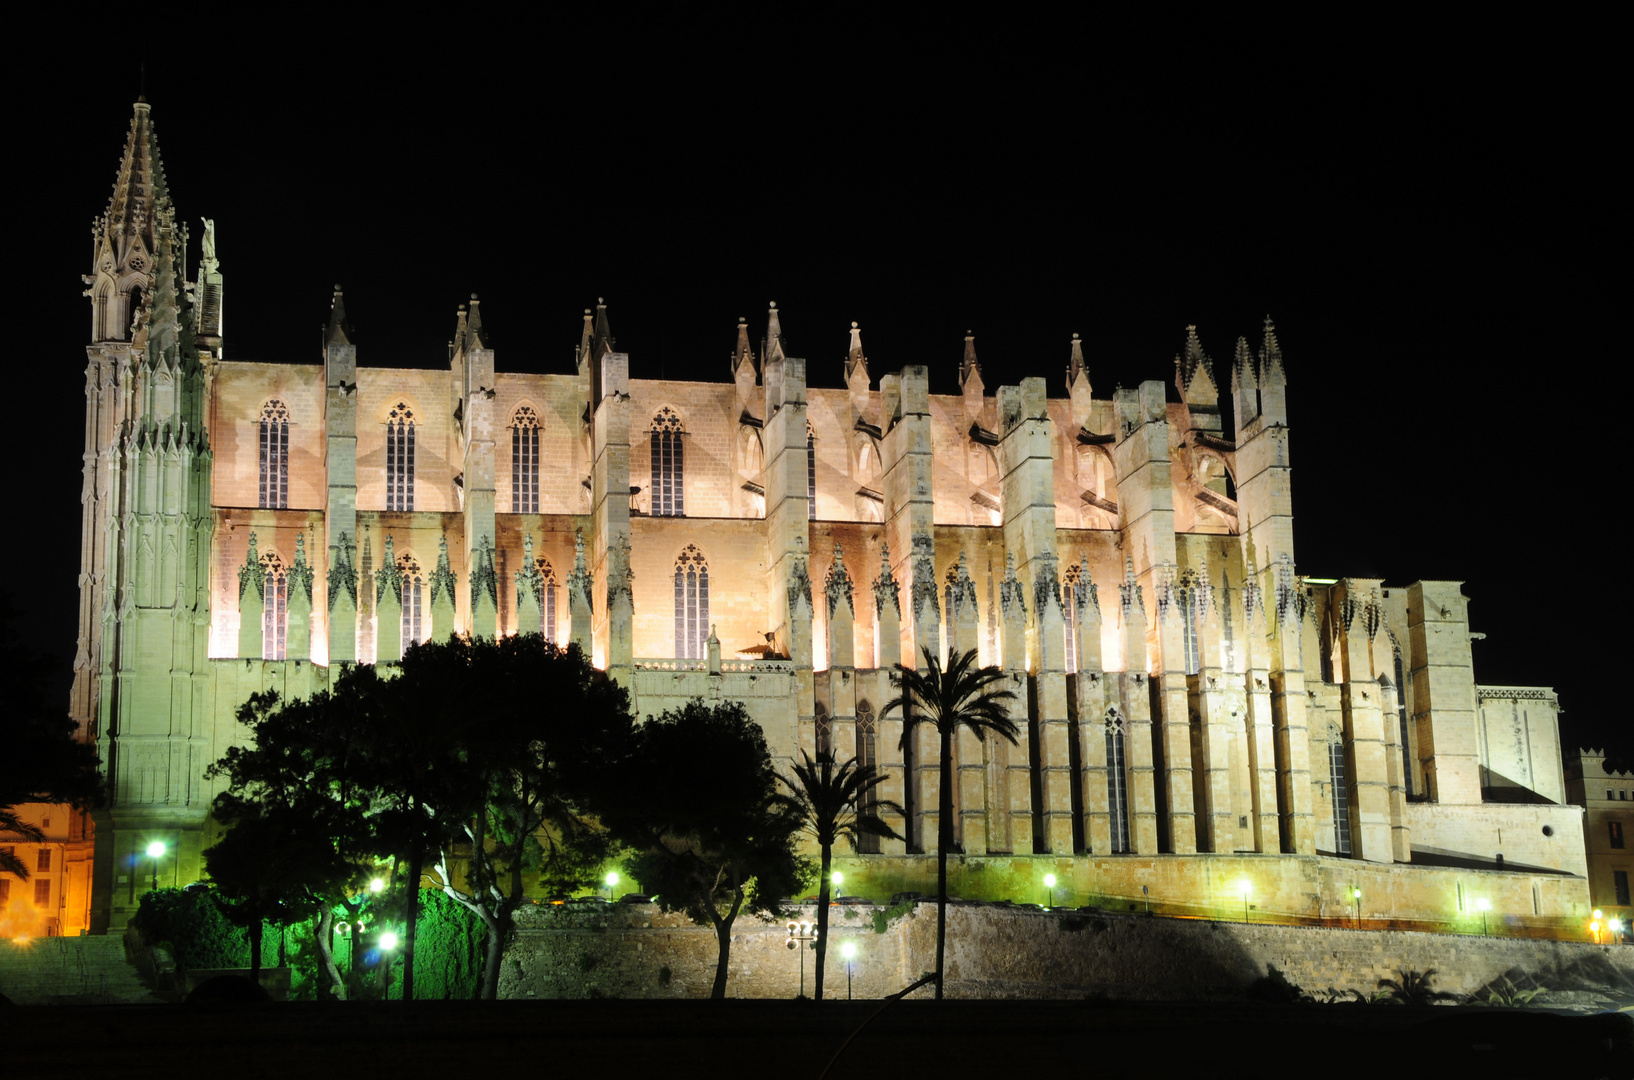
{"x":339,"y":332}
{"x":1271,"y":354}
{"x":1192,"y":360}
{"x":969,"y":365}
{"x":1075,"y":361}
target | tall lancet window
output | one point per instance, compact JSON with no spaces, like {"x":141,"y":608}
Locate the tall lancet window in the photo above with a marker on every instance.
{"x":691,"y":604}
{"x":1406,"y":732}
{"x":525,"y":462}
{"x":413,"y":603}
{"x":668,"y":488}
{"x":400,"y":459}
{"x":811,"y":473}
{"x":547,"y":574}
{"x":274,"y":608}
{"x":1117,"y":782}
{"x":1190,"y":598}
{"x":274,"y":488}
{"x":1069,"y":614}
{"x":1341,"y":796}
{"x":867,"y":759}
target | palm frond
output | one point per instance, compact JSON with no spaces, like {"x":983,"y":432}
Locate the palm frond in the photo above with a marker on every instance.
{"x":963,"y":695}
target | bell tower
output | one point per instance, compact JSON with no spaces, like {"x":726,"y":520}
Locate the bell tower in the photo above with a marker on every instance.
{"x":139,"y":686}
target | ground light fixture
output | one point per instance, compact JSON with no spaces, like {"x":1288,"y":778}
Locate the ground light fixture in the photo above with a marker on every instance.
{"x":1049,"y":883}
{"x":849,"y":951}
{"x":156,"y":851}
{"x":1485,"y":906}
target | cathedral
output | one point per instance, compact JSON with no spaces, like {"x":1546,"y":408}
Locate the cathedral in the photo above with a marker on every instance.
{"x":1201,"y":722}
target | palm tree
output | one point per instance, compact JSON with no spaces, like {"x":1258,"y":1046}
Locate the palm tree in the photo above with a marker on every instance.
{"x":834,"y":802}
{"x":1413,"y":988}
{"x":962,"y":696}
{"x":11,"y":823}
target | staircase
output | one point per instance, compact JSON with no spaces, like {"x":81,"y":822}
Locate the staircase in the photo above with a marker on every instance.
{"x":64,"y":970}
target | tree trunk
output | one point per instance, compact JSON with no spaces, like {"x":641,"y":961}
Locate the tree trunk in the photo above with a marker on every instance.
{"x":255,"y":950}
{"x":325,"y":937}
{"x":944,"y":840}
{"x":723,"y":939}
{"x":417,"y":862}
{"x":822,"y":920}
{"x":493,"y":955}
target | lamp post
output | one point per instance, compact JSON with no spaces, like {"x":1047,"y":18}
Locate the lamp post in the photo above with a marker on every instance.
{"x":1485,"y":905}
{"x":1356,"y":895}
{"x":1594,"y":927}
{"x":612,"y":882}
{"x":799,"y":934}
{"x":849,"y":951}
{"x":838,"y":879}
{"x":156,"y":851}
{"x":1246,"y":887}
{"x":388,"y":942}
{"x":1049,"y":883}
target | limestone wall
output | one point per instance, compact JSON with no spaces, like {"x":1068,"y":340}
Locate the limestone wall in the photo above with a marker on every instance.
{"x":638,"y":951}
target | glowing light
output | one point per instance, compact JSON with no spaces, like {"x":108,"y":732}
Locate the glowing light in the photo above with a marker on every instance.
{"x":612,"y":878}
{"x":1245,"y":887}
{"x":837,"y":878}
{"x":1598,"y":914}
{"x":1615,"y":925}
{"x":1356,"y":894}
{"x":1484,"y":904}
{"x":156,"y":849}
{"x":388,"y":941}
{"x":376,"y":885}
{"x":22,"y":940}
{"x":849,"y":950}
{"x":1049,"y":881}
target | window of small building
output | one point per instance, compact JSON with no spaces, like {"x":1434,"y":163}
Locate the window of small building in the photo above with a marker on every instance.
{"x":1615,"y":828}
{"x":42,"y":860}
{"x":42,"y":892}
{"x":1619,"y":879}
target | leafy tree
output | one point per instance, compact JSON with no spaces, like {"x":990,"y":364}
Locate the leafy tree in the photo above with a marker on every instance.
{"x":962,"y":696}
{"x":702,"y":809}
{"x":834,"y":804}
{"x":1413,"y":988}
{"x":268,"y":869}
{"x":192,"y":926}
{"x":315,"y":759}
{"x":44,"y":760}
{"x":528,"y":735}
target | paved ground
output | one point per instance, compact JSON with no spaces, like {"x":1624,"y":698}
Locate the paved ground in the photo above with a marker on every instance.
{"x":56,"y":970}
{"x":798,"y":1040}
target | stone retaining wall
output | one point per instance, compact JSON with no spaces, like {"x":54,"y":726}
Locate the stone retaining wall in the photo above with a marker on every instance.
{"x":637,"y":951}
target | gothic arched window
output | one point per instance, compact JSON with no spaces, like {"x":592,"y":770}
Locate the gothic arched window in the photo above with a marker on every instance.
{"x":1406,"y":732}
{"x":525,"y":461}
{"x":547,"y":601}
{"x":274,"y":608}
{"x":811,"y":473}
{"x":274,"y":488}
{"x":691,"y":604}
{"x":1069,"y":614}
{"x":413,"y":605}
{"x":1191,"y":600}
{"x":1117,"y":782}
{"x":1341,"y":796}
{"x":668,"y":488}
{"x":867,"y":759}
{"x":400,"y":460}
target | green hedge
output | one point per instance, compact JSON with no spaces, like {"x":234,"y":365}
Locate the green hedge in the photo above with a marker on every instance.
{"x":189,"y":924}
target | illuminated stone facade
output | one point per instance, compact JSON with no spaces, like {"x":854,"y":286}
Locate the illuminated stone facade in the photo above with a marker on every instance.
{"x":1607,"y":798}
{"x":1129,"y":561}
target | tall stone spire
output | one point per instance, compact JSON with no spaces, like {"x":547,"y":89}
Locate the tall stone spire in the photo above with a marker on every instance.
{"x":1191,"y":361}
{"x":970,"y":366}
{"x":1075,"y":362}
{"x":475,"y":336}
{"x":601,"y":341}
{"x":772,"y":349}
{"x":855,"y":360}
{"x":743,"y":353}
{"x":339,"y":331}
{"x":125,"y":239}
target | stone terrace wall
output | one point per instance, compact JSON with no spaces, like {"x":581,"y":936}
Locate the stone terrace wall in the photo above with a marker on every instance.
{"x":624,"y":951}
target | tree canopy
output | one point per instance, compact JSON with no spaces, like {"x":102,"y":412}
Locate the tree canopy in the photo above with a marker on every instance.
{"x":713,"y":834}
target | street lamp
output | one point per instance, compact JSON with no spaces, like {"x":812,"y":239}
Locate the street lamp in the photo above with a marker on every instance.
{"x":799,"y":934}
{"x":156,"y":851}
{"x":376,"y":885}
{"x":1049,"y":883}
{"x":1594,"y":927}
{"x":1356,"y":895}
{"x":838,"y":879}
{"x":612,"y":882}
{"x":1246,"y":887}
{"x":1485,"y":905}
{"x":388,"y":942}
{"x":849,"y":951}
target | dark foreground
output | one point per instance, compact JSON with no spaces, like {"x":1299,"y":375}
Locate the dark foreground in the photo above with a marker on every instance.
{"x":797,"y":1040}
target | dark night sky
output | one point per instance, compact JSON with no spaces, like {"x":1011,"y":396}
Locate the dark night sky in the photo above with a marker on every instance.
{"x":1435,"y":245}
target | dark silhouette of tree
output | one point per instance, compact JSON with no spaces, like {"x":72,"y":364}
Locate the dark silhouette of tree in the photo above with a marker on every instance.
{"x":962,"y":696}
{"x":834,"y":803}
{"x":700,"y":805}
{"x":46,"y":758}
{"x":1413,"y":988}
{"x":267,"y":868}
